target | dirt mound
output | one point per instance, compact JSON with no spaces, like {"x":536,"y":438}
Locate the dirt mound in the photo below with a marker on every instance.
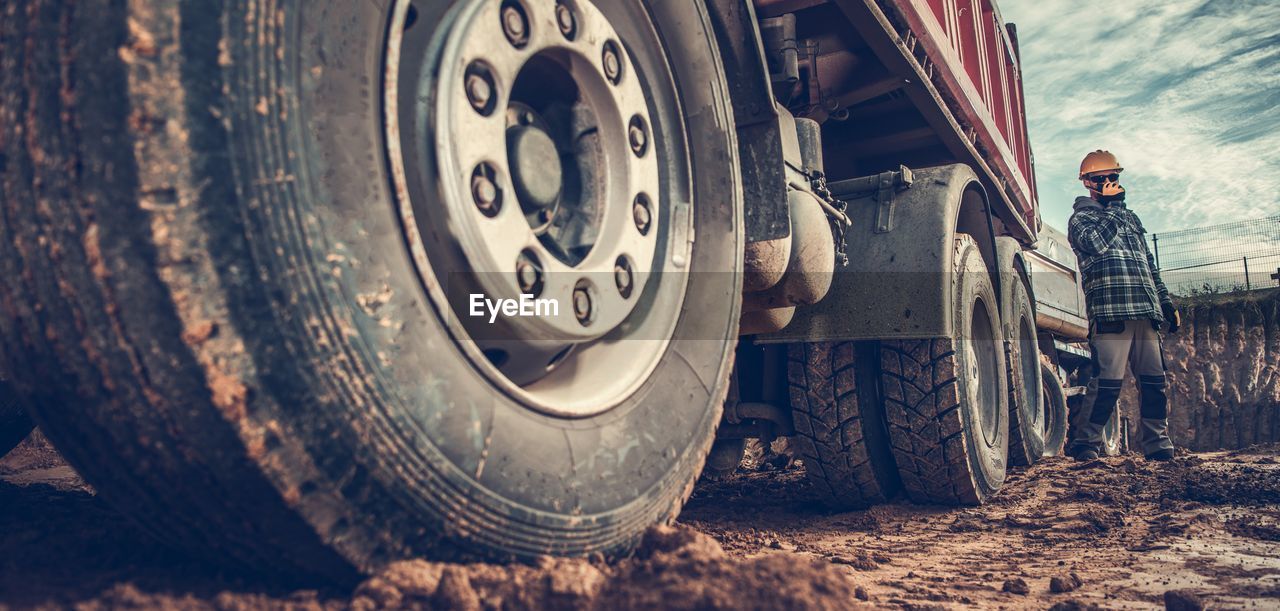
{"x":1229,"y":484}
{"x":676,"y":568}
{"x":61,"y":545}
{"x":1116,"y":531}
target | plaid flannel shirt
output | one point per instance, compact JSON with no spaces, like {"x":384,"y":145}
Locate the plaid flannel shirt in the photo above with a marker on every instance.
{"x":1120,"y":277}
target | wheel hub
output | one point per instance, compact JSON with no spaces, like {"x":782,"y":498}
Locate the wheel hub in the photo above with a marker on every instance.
{"x":566,"y":98}
{"x":535,"y":168}
{"x":550,"y":180}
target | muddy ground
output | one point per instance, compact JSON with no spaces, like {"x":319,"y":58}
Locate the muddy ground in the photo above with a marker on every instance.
{"x":1116,"y":533}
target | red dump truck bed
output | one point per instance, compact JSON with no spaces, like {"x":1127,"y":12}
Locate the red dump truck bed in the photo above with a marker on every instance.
{"x":978,"y":72}
{"x":954,"y":61}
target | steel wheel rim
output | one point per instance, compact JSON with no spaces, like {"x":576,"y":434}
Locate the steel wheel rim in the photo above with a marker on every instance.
{"x":982,"y":372}
{"x":1030,"y":364}
{"x":570,"y":365}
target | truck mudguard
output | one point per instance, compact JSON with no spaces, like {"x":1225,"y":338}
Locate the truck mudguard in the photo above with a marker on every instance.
{"x":897,"y":283}
{"x":1013,"y":265}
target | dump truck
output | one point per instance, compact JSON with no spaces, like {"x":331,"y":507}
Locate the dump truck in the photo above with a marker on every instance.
{"x":313,"y":287}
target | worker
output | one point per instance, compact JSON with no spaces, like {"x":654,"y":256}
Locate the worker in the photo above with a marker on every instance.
{"x":1127,"y":303}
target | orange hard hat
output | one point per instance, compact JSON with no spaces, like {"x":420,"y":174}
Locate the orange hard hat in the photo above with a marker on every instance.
{"x":1099,"y":161}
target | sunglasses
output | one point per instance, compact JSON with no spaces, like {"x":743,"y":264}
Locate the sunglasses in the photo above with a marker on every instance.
{"x":1104,"y":178}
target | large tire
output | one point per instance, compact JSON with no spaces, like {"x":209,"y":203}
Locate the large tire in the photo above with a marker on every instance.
{"x":14,"y":423}
{"x":840,"y":432}
{"x":946,"y":399}
{"x":1054,"y":402}
{"x":216,"y":308}
{"x":1027,"y":432}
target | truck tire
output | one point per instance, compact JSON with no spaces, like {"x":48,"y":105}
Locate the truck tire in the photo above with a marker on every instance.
{"x":14,"y":423}
{"x":1026,"y":411}
{"x":227,"y":247}
{"x":1054,"y":401}
{"x":946,"y":399}
{"x":840,"y":432}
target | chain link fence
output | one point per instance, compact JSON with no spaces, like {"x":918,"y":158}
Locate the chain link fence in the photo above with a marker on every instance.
{"x":1226,"y":258}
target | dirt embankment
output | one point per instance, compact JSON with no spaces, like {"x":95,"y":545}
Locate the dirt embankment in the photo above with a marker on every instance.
{"x":1114,"y":533}
{"x":1224,"y":372}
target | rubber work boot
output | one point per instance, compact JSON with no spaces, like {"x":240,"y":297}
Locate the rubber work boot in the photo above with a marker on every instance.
{"x":1088,"y":442}
{"x":1084,"y":454}
{"x":1155,"y":439}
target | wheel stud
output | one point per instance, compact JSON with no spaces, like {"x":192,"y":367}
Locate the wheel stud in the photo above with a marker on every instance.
{"x":638,"y":136}
{"x":479,"y":85}
{"x":564,"y":18}
{"x":484,"y":191}
{"x":612,"y":63}
{"x":528,"y":274}
{"x":582,"y":304}
{"x":641,"y":215}
{"x":622,"y":277}
{"x":514,"y":25}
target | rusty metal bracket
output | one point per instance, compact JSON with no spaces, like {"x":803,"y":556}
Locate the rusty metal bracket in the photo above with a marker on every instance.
{"x":884,"y":202}
{"x":884,"y":187}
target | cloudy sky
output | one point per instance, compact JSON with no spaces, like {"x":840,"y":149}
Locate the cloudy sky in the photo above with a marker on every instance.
{"x":1185,"y":92}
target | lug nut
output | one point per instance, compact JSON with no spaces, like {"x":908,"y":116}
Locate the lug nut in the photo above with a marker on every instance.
{"x":485,"y":192}
{"x":638,"y":137}
{"x":622,"y":277}
{"x":641,"y":215}
{"x":612,"y":63}
{"x":514,"y":25}
{"x":564,"y":18}
{"x":528,"y":275}
{"x":582,"y":304}
{"x":479,"y":85}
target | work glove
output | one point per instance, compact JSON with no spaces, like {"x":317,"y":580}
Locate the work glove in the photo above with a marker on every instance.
{"x":1171,"y":316}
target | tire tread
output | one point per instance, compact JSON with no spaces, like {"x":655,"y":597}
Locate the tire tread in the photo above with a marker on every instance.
{"x":831,"y":426}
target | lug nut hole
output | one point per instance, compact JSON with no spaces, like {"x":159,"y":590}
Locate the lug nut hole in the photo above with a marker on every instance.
{"x":529,"y":275}
{"x":623,"y":276}
{"x":481,"y":91}
{"x":566,"y":20}
{"x":642,"y":213}
{"x":584,"y":302}
{"x":515,"y":23}
{"x":638,"y":136}
{"x":485,"y":190}
{"x":612,"y":62}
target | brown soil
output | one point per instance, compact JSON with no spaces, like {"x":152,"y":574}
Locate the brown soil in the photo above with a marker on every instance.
{"x":1114,"y":533}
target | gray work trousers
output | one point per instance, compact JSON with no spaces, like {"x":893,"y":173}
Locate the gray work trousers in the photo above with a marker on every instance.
{"x":1135,"y":343}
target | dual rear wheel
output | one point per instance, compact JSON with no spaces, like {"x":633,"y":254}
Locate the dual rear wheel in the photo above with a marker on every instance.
{"x":942,"y":418}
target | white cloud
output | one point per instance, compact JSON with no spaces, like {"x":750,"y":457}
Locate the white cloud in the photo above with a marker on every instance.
{"x":1185,"y":92}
